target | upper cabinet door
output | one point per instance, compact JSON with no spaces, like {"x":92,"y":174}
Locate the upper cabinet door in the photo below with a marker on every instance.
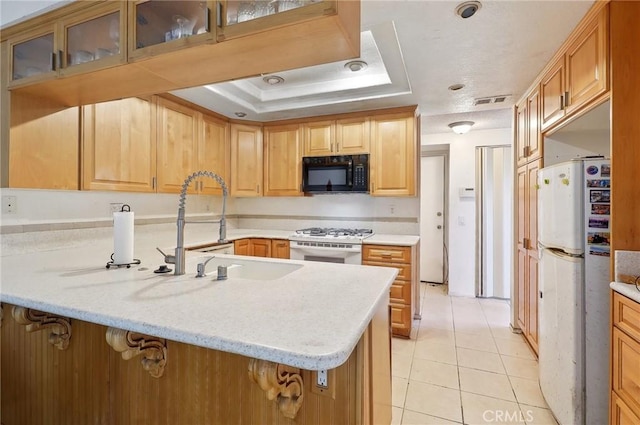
{"x":282,"y":161}
{"x":33,"y":56}
{"x":93,"y":39}
{"x":319,"y":138}
{"x":552,"y":93}
{"x":246,"y":160}
{"x":177,"y":134}
{"x":587,"y":70}
{"x":241,"y":17}
{"x":213,"y":153}
{"x":393,"y":155}
{"x":533,"y":124}
{"x":352,"y":136}
{"x":119,"y":146}
{"x":521,"y":133}
{"x":159,"y":26}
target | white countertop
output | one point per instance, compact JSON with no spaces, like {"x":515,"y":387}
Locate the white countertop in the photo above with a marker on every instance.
{"x":401,"y":240}
{"x":626,"y":267}
{"x":311,"y":318}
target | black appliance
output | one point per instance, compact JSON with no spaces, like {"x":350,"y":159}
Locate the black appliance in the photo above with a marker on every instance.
{"x":335,"y":174}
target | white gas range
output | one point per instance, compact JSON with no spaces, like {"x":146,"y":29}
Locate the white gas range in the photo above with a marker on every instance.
{"x":334,"y":245}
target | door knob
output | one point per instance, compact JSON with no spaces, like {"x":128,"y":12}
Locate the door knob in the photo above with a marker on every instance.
{"x":439,"y":227}
{"x":439,"y":214}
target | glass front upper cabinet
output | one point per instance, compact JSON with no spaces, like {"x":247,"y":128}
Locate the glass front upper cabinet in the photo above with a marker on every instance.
{"x":94,"y":38}
{"x":240,"y":17}
{"x":157,"y":26}
{"x":32,"y":55}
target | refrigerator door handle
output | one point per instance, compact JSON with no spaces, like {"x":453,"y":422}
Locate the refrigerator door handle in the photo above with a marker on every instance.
{"x":559,"y":252}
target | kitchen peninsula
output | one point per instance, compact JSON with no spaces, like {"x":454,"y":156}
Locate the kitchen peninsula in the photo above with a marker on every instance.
{"x":127,"y":345}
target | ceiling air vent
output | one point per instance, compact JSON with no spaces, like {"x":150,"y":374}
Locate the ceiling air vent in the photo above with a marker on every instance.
{"x":490,"y":100}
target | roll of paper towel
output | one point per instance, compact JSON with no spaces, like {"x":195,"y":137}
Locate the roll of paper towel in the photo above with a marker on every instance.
{"x":123,"y":237}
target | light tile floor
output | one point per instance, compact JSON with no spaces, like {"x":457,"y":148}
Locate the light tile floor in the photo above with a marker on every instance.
{"x":464,"y":365}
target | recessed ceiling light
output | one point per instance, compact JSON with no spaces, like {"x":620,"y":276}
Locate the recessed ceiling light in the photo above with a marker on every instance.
{"x":468,"y":9}
{"x":461,"y":127}
{"x":456,"y":87}
{"x":240,"y":114}
{"x":356,"y":66}
{"x":273,"y":80}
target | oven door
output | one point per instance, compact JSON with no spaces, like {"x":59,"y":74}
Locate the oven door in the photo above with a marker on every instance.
{"x":328,"y":252}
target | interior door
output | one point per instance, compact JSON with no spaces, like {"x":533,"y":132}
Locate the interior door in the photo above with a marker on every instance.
{"x":432,"y":218}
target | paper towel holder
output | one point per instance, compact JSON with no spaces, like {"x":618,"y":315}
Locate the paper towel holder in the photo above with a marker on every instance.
{"x":135,"y":260}
{"x":127,"y":265}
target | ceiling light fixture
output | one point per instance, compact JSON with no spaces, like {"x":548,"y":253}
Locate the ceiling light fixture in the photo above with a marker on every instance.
{"x":240,"y":114}
{"x":468,"y":9}
{"x":461,"y":127}
{"x":456,"y":87}
{"x":355,"y":66}
{"x":272,"y":80}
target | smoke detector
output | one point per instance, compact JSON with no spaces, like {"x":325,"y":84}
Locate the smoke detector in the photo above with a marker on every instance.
{"x":468,"y":9}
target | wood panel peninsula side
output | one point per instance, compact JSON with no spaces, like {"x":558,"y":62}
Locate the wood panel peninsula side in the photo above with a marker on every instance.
{"x":85,"y":344}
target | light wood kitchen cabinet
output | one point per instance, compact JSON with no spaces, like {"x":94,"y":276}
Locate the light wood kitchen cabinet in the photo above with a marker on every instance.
{"x":85,"y":41}
{"x":43,"y":144}
{"x":246,"y":160}
{"x":214,"y":154}
{"x":241,"y":246}
{"x":580,"y":75}
{"x":527,"y":258}
{"x":165,"y":26}
{"x":280,"y":248}
{"x":255,"y":247}
{"x":402,"y":289}
{"x":336,"y":137}
{"x":177,"y":136}
{"x":282,"y":160}
{"x":319,"y":138}
{"x":169,"y":45}
{"x":625,"y":360}
{"x":393,"y":155}
{"x":119,"y":146}
{"x":528,"y":128}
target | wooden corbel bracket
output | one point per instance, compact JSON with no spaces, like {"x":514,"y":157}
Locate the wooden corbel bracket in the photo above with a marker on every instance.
{"x":281,"y":383}
{"x":38,"y":320}
{"x":132,"y":344}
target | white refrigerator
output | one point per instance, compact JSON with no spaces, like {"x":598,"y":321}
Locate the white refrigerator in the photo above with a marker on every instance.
{"x":574,"y":235}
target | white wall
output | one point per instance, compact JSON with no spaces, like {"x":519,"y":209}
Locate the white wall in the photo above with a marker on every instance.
{"x":70,"y":206}
{"x":382,"y":214}
{"x":461,"y":227}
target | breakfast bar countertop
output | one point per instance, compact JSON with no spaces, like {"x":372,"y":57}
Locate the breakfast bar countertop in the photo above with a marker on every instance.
{"x":312,"y":317}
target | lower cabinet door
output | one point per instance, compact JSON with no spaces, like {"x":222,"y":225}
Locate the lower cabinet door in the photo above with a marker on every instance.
{"x":621,"y":414}
{"x":401,"y":319}
{"x":400,"y":292}
{"x":626,"y":373}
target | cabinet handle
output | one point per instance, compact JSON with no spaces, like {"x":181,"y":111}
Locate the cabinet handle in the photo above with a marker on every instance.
{"x":258,"y":188}
{"x":561,"y":102}
{"x":207,"y":19}
{"x":566,"y":99}
{"x":219,"y":14}
{"x":331,"y":147}
{"x":53,"y":61}
{"x":153,"y":183}
{"x":59,"y":59}
{"x":337,"y":146}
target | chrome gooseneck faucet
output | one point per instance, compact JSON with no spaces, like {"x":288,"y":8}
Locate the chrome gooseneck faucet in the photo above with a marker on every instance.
{"x":179,"y":258}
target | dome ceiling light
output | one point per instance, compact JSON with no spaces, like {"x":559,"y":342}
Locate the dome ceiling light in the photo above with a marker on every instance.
{"x":240,"y":114}
{"x":355,"y":66}
{"x":272,"y":80}
{"x":468,"y":9}
{"x":455,"y":87}
{"x":461,"y":127}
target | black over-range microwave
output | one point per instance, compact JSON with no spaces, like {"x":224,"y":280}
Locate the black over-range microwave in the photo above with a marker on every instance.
{"x":335,"y":174}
